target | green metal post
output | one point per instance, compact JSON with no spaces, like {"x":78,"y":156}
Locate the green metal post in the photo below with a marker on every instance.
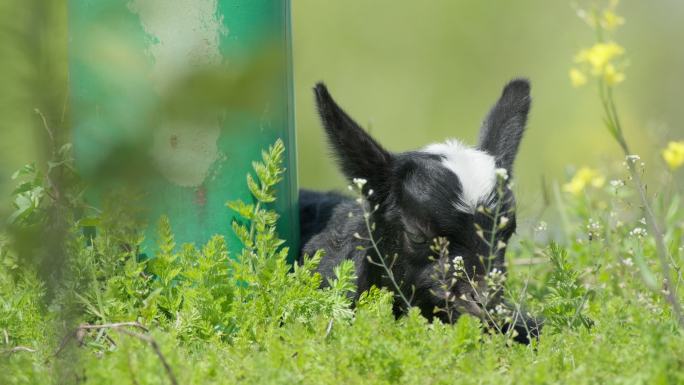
{"x":196,"y":88}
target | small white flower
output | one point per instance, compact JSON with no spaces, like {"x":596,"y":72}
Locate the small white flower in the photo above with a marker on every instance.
{"x":632,"y":158}
{"x":495,"y":278}
{"x":542,"y":226}
{"x":628,"y":262}
{"x":501,"y":173}
{"x":638,"y":232}
{"x":458,"y":263}
{"x":503,"y":221}
{"x":359,"y":182}
{"x":616,"y":183}
{"x":499,"y":310}
{"x":594,"y":228}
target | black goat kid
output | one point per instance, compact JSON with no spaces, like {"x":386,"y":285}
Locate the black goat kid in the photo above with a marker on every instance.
{"x":442,"y":211}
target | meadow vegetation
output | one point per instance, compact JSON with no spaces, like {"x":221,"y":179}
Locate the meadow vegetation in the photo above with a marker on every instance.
{"x":86,"y":309}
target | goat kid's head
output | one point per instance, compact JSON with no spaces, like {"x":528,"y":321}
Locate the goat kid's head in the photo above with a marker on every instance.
{"x":443,"y":214}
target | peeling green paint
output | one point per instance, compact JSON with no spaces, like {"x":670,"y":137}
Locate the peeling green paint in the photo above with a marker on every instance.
{"x":183,"y":83}
{"x":185,"y":37}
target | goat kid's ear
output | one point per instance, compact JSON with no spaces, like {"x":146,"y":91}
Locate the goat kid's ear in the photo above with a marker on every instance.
{"x":358,"y":154}
{"x":503,"y":127}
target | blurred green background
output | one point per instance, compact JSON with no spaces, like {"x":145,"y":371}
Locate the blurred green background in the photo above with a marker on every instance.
{"x":412,"y":73}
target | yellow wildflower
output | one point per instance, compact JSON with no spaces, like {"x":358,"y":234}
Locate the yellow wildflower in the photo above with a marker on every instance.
{"x":612,"y":76}
{"x":584,"y":177}
{"x":674,"y":154}
{"x":599,"y":56}
{"x":610,"y":20}
{"x":577,"y":77}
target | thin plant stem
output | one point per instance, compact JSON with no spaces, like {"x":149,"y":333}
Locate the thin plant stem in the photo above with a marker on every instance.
{"x":121,"y":328}
{"x":495,"y":226}
{"x":17,"y":349}
{"x":374,"y":245}
{"x":484,"y":305}
{"x":388,"y":270}
{"x":614,"y":125}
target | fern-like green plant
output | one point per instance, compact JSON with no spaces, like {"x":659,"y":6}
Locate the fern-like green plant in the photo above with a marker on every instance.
{"x":266,"y":288}
{"x":564,"y":305}
{"x":200,"y":294}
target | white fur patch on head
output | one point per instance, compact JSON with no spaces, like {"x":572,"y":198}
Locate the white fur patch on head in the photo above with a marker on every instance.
{"x":474,"y":168}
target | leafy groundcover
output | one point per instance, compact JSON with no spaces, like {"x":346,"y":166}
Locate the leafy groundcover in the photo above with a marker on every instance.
{"x":201,"y":316}
{"x":81,"y":307}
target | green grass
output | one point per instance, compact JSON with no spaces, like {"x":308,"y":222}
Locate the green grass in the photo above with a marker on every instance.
{"x":252,"y":319}
{"x":81,"y":307}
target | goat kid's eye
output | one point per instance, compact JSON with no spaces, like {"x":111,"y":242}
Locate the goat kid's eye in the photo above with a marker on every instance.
{"x":416,"y":238}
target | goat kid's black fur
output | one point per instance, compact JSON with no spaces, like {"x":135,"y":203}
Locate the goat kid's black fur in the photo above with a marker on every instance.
{"x":418,"y":198}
